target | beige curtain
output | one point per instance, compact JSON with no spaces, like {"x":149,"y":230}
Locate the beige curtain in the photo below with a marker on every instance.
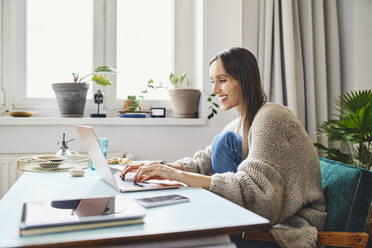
{"x":298,"y":53}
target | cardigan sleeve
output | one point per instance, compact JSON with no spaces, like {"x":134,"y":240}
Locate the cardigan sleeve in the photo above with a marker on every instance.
{"x":200,"y":163}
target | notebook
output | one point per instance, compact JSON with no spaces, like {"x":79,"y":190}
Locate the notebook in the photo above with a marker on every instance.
{"x":90,"y":142}
{"x":79,"y":214}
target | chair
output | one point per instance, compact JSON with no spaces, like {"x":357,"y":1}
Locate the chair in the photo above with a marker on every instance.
{"x":348,"y":193}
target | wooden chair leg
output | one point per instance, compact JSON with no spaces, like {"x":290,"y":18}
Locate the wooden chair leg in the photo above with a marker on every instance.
{"x":343,"y":239}
{"x":339,"y":239}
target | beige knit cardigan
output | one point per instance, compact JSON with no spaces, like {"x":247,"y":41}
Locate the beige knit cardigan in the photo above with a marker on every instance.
{"x":279,"y":179}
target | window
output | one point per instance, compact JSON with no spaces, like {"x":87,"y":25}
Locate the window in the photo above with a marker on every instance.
{"x":57,"y":45}
{"x":137,"y":60}
{"x":47,"y":40}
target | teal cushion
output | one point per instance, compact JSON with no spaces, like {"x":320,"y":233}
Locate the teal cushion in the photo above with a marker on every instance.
{"x":348,"y":193}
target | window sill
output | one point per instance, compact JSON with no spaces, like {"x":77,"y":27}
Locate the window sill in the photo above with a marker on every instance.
{"x":40,"y":121}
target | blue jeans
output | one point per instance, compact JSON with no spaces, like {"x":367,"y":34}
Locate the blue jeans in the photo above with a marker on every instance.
{"x":226,"y":157}
{"x":226,"y":152}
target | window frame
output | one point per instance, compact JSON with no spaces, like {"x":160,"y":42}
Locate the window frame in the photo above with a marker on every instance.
{"x":14,"y":57}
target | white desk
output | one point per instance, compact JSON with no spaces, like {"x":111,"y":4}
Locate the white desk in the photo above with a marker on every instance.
{"x":205,"y":214}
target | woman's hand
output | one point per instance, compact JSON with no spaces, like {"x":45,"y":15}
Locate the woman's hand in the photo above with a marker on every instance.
{"x":131,"y":167}
{"x":135,"y":167}
{"x":156,"y":170}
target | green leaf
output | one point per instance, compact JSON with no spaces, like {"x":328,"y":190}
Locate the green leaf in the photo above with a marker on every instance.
{"x":135,"y":106}
{"x":320,"y":146}
{"x":105,"y":69}
{"x":176,"y":80}
{"x":171,"y":78}
{"x":98,"y":79}
{"x":183,"y":77}
{"x":334,"y":154}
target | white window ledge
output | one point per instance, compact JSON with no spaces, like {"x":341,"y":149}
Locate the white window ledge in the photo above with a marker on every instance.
{"x":26,"y":121}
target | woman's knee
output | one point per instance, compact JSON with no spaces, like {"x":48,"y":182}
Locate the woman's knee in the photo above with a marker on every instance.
{"x":226,"y":138}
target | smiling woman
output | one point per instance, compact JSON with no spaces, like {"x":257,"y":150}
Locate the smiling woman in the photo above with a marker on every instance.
{"x":263,"y":161}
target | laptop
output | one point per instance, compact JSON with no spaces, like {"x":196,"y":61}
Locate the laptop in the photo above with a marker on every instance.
{"x":90,"y":142}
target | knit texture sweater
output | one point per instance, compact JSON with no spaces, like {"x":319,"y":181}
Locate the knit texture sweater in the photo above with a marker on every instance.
{"x":280,"y":178}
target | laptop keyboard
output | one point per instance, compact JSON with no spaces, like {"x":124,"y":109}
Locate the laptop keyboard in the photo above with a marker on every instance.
{"x":128,"y":183}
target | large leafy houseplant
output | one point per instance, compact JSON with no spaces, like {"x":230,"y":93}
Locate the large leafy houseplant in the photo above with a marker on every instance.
{"x":353,"y":129}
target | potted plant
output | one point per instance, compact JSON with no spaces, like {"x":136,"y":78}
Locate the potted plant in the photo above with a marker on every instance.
{"x":184,"y":101}
{"x":71,"y":96}
{"x":353,"y":129}
{"x":132,"y":104}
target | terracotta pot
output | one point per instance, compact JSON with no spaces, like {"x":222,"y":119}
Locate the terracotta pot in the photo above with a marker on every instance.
{"x":128,"y":104}
{"x":185,"y":102}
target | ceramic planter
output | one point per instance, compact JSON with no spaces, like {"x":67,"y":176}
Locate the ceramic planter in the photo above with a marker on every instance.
{"x":185,"y":102}
{"x":71,"y":98}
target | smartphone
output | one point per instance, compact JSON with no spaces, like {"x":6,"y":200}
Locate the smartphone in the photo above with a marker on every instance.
{"x":156,"y":201}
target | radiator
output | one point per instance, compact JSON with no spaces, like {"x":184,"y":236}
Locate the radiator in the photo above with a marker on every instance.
{"x":9,"y":172}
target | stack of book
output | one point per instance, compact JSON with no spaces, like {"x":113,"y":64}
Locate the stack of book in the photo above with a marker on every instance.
{"x":139,"y":114}
{"x":79,"y":214}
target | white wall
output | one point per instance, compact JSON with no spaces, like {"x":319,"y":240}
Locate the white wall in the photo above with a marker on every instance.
{"x":221,"y":30}
{"x":356,"y":44}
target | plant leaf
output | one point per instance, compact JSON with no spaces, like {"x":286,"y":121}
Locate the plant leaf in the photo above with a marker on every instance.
{"x":98,"y":79}
{"x":182,"y":77}
{"x":105,"y":69}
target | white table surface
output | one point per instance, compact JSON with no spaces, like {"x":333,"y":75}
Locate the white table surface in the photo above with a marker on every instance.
{"x":205,"y":213}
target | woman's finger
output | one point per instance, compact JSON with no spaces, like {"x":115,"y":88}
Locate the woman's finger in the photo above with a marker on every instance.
{"x":139,"y":173}
{"x":126,"y":170}
{"x":129,"y":168}
{"x":143,"y":170}
{"x":147,"y":176}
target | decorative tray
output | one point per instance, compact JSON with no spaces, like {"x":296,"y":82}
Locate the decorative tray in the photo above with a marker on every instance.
{"x":51,"y":163}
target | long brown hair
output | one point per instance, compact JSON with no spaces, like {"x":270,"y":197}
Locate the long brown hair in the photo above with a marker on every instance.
{"x":242,"y":65}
